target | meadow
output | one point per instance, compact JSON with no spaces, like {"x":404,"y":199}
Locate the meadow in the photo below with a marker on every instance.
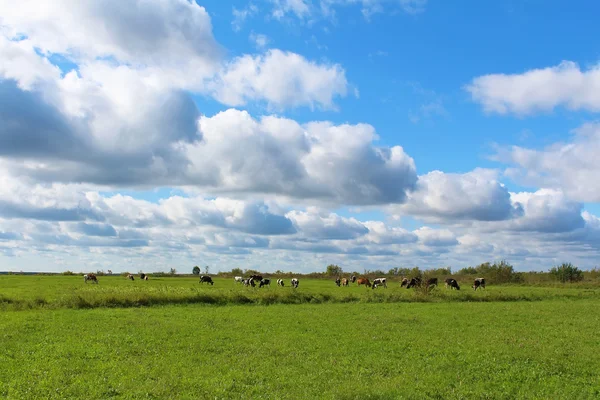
{"x":62,"y":338}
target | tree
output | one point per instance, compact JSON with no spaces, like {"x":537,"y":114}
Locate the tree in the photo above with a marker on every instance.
{"x":196,"y":270}
{"x":334,"y":270}
{"x":567,"y":272}
{"x":173,"y":271}
{"x":237,"y":272}
{"x":206,"y":268}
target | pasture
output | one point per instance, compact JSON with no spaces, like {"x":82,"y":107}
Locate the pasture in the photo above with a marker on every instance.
{"x":62,"y":338}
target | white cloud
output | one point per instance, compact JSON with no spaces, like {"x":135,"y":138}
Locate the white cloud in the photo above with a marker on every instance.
{"x":167,"y":33}
{"x":282,"y":79}
{"x":300,"y":8}
{"x":476,"y":195}
{"x":317,"y":225}
{"x":259,"y":40}
{"x":539,"y":90}
{"x":436,"y":237}
{"x":572,"y":167}
{"x":240,"y":16}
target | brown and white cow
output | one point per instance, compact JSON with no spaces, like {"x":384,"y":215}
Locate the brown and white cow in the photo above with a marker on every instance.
{"x":479,"y":282}
{"x":90,"y":277}
{"x":452,"y":284}
{"x":363,"y":281}
{"x":345,"y":282}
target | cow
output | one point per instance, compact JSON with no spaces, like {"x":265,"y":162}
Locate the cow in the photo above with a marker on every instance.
{"x":238,"y":279}
{"x":416,"y":281}
{"x":353,"y":278}
{"x":130,"y":277}
{"x":249,"y":282}
{"x":264,"y":282}
{"x":404,"y":282}
{"x":295,"y":283}
{"x":280,"y":282}
{"x":206,"y":279}
{"x":432,"y":282}
{"x":146,"y":277}
{"x":452,"y":284}
{"x":338,"y":281}
{"x":256,"y":277}
{"x":142,"y":276}
{"x":363,"y":281}
{"x":380,"y":282}
{"x":479,"y":282}
{"x":345,"y":282}
{"x":90,"y":277}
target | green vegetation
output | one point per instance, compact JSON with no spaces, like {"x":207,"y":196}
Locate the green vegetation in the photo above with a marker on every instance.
{"x":19,"y":292}
{"x":567,"y":272}
{"x":335,"y":351}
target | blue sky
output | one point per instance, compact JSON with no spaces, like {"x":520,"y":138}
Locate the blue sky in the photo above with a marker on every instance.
{"x":295,"y":133}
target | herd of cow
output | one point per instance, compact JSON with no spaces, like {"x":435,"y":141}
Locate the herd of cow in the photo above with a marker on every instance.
{"x":405,"y":282}
{"x":252,"y":281}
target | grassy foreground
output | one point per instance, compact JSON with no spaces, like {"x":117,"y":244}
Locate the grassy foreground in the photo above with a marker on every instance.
{"x":19,"y":292}
{"x":499,"y":350}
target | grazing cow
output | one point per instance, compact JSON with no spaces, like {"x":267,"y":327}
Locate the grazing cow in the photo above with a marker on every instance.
{"x":416,"y":281}
{"x":207,"y":279}
{"x":295,"y":283}
{"x":146,"y":277}
{"x":363,"y":281}
{"x":380,"y":282}
{"x":353,"y":278}
{"x":130,"y":277}
{"x":452,"y":283}
{"x":143,"y":276}
{"x":238,"y":279}
{"x":264,"y":282}
{"x":338,"y":282}
{"x":345,"y":282}
{"x":257,"y":278}
{"x":249,"y":282}
{"x":90,"y":277}
{"x":280,"y":282}
{"x":432,"y":282}
{"x":479,"y":282}
{"x":404,"y":282}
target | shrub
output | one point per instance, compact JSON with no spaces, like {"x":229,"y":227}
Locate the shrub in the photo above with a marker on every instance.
{"x":69,"y":273}
{"x":567,"y":272}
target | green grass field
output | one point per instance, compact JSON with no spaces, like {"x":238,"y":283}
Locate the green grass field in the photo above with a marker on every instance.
{"x":521,"y":342}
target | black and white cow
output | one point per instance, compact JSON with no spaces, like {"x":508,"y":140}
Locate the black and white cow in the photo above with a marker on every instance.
{"x":338,"y":281}
{"x":264,"y":282}
{"x":206,"y":279}
{"x":479,"y":282}
{"x":280,"y":282}
{"x":452,"y":284}
{"x":238,"y":279}
{"x":379,"y":282}
{"x":295,"y":283}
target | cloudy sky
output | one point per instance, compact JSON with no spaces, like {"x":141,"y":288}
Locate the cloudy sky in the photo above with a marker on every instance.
{"x":290,"y":134}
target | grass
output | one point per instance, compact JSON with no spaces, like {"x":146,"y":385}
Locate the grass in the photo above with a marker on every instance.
{"x":175,"y":338}
{"x":18,"y":292}
{"x":335,"y":351}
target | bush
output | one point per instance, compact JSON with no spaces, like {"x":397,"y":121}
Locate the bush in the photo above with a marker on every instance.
{"x":68,"y":273}
{"x":196,"y":270}
{"x":567,"y":272}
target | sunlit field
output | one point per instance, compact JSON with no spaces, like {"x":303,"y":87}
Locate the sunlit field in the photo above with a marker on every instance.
{"x":176,"y":338}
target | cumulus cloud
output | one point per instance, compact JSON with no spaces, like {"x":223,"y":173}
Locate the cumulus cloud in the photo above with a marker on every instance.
{"x":571,"y":166}
{"x":476,"y":195}
{"x":539,"y":90}
{"x":436,"y":237}
{"x":168,"y":33}
{"x":327,"y":225}
{"x":281,"y":79}
{"x":331,"y":163}
{"x":306,"y":9}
